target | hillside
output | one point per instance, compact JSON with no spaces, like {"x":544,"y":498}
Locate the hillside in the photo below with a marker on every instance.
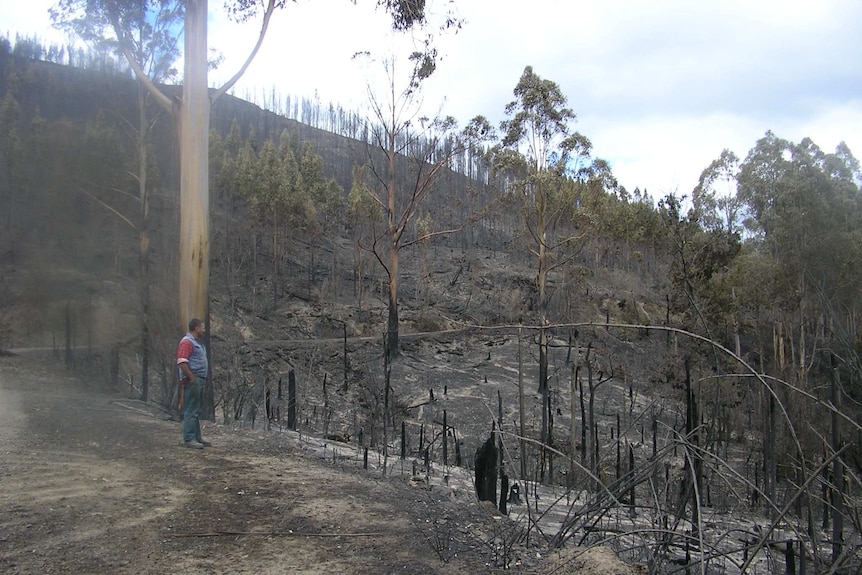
{"x":460,"y":302}
{"x":661,"y":441}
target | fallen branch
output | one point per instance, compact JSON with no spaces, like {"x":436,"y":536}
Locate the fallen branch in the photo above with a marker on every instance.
{"x":220,"y":533}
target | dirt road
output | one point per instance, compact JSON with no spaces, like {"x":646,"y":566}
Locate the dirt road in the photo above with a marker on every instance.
{"x":94,"y":483}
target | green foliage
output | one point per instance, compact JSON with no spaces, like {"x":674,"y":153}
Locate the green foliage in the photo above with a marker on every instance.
{"x":12,"y":177}
{"x":362,"y":207}
{"x":282,"y":190}
{"x":330,"y":207}
{"x":714,"y":198}
{"x":547,"y":168}
{"x":700,"y":256}
{"x":804,"y":205}
{"x":233,"y":141}
{"x":104,"y":153}
{"x":797,"y":263}
{"x":538,"y":124}
{"x":619,"y":217}
{"x":147,"y":33}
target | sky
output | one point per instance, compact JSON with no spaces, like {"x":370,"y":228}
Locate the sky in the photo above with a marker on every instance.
{"x":659,"y":87}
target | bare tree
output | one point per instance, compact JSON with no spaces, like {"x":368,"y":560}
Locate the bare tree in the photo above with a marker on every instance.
{"x":425,"y":147}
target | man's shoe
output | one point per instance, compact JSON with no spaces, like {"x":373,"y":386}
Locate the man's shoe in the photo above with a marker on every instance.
{"x":205,"y":443}
{"x":194,"y":445}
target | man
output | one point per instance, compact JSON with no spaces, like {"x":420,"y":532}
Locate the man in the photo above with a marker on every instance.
{"x":193,"y":369}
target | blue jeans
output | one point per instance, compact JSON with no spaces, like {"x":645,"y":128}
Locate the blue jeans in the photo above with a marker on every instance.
{"x":194,"y":402}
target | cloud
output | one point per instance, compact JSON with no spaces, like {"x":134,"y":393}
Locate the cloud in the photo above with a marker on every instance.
{"x":666,"y":154}
{"x":29,"y":18}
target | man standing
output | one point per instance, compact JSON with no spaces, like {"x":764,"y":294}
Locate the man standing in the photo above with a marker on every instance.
{"x":193,"y":369}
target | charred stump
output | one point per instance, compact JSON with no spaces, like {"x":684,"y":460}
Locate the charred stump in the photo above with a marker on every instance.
{"x":291,"y":400}
{"x":486,"y":471}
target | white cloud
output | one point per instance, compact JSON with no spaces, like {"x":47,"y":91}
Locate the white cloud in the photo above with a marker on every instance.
{"x":664,"y":154}
{"x":29,"y":18}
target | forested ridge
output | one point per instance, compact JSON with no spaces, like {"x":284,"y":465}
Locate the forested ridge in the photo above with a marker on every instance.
{"x":688,"y":357}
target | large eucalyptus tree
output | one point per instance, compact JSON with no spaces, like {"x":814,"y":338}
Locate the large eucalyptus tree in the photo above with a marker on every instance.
{"x":112,"y":20}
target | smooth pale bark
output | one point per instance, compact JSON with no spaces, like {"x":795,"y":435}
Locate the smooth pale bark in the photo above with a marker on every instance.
{"x":194,"y":115}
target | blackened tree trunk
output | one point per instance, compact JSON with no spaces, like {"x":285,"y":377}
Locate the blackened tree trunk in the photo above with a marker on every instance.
{"x":583,"y":419}
{"x":486,"y":470}
{"x":543,"y":389}
{"x":522,"y":408}
{"x":770,"y":467}
{"x":692,"y":429}
{"x":572,"y":428}
{"x":144,"y":241}
{"x":594,"y":440}
{"x":387,"y":367}
{"x":291,"y":400}
{"x":504,"y":494}
{"x":837,"y":468}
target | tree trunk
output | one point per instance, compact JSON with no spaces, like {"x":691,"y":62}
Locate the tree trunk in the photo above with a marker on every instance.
{"x":387,"y":368}
{"x":194,"y":115}
{"x":543,"y":388}
{"x":291,"y":400}
{"x":692,"y":423}
{"x":769,"y":456}
{"x":837,"y":469}
{"x":359,"y":279}
{"x":572,"y":428}
{"x":583,"y":419}
{"x":541,"y":286}
{"x":144,"y":243}
{"x":522,"y":408}
{"x":275,"y":258}
{"x":618,"y":468}
{"x":502,"y":470}
{"x":632,"y":474}
{"x":393,"y":237}
{"x":594,"y":440}
{"x":392,"y":322}
{"x":446,"y":442}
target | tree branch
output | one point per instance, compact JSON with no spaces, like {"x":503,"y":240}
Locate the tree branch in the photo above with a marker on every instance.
{"x":230,"y":83}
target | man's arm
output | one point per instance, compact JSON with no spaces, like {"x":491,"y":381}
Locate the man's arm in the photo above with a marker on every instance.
{"x":184,"y":366}
{"x":184,"y":352}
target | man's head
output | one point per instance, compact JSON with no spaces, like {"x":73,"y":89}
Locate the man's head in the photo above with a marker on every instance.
{"x":197,"y":327}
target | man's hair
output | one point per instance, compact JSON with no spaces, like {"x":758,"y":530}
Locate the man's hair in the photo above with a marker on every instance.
{"x":194,"y":324}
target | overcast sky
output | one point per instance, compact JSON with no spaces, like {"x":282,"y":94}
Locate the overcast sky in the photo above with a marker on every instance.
{"x":660,"y":87}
